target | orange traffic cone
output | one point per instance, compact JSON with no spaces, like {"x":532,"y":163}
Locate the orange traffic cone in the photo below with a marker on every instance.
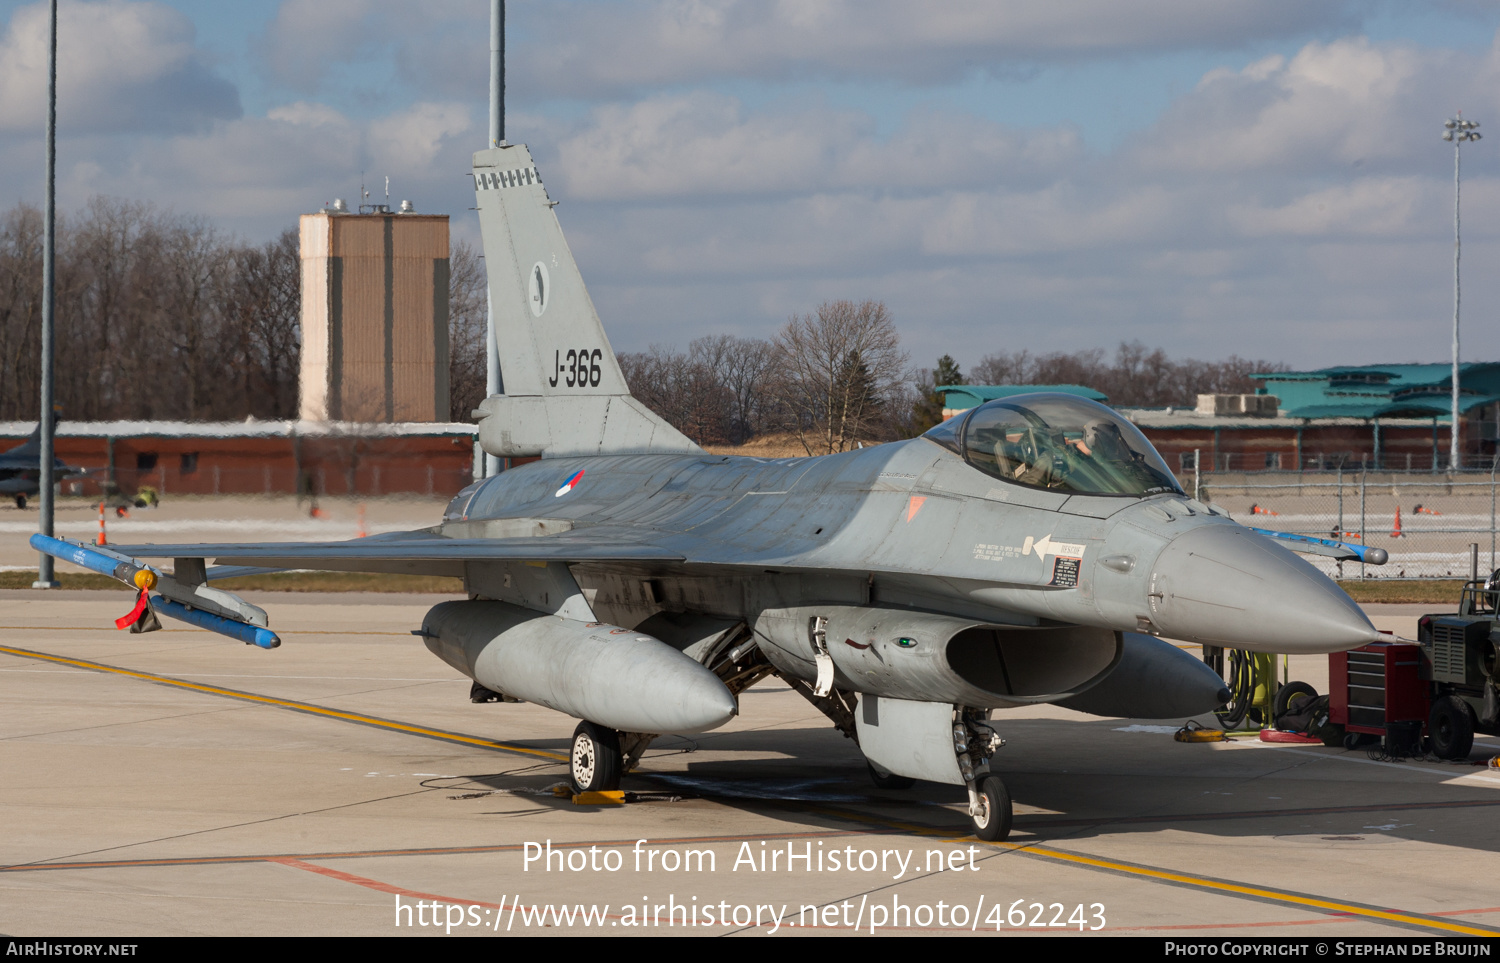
{"x":1397,"y":532}
{"x":101,"y":540}
{"x":1257,"y":510}
{"x":1425,"y":511}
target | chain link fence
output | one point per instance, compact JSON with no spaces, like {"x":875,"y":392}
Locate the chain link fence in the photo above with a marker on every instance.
{"x":1433,"y":525}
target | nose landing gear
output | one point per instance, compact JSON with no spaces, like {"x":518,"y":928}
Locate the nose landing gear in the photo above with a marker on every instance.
{"x":990,"y":810}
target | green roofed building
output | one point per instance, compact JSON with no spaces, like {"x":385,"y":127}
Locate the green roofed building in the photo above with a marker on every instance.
{"x":1387,"y":391}
{"x":1390,"y":417}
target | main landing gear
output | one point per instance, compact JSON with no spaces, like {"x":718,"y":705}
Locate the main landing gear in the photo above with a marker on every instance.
{"x":595,"y":763}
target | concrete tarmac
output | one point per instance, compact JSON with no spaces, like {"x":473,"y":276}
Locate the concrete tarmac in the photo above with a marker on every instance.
{"x":181,"y":784}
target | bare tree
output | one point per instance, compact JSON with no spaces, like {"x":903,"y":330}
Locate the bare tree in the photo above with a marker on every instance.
{"x":683,"y":389}
{"x":467,"y":330}
{"x":743,"y":368}
{"x":839,"y":368}
{"x":20,"y":311}
{"x":1137,"y":376}
{"x":263,"y":326}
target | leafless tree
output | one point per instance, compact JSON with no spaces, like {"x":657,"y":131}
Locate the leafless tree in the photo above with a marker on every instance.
{"x":467,"y":329}
{"x":20,"y":310}
{"x":742,"y":367}
{"x":1136,"y":376}
{"x":683,"y":390}
{"x":840,"y":367}
{"x":158,"y":316}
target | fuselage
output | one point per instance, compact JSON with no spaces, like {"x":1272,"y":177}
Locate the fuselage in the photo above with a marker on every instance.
{"x":911,"y":524}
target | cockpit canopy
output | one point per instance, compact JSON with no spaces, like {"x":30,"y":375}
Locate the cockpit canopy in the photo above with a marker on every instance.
{"x":1057,"y":442}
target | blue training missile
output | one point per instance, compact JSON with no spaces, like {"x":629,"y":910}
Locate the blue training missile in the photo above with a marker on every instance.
{"x":143,"y":577}
{"x":244,"y":631}
{"x":1330,"y":547}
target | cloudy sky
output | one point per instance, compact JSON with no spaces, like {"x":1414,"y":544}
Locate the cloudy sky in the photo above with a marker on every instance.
{"x":1261,"y":177}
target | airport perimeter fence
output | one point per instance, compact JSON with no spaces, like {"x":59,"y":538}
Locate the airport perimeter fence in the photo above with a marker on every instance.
{"x":1432,"y":525}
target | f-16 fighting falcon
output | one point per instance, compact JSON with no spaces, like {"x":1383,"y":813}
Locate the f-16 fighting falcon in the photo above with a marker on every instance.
{"x":21,"y":468}
{"x":1035,"y":550}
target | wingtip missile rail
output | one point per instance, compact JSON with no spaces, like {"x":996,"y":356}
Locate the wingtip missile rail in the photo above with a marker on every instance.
{"x":207,"y":608}
{"x":101,"y":560}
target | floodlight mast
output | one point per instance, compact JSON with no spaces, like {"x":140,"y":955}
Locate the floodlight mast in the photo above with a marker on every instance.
{"x":1457,"y":130}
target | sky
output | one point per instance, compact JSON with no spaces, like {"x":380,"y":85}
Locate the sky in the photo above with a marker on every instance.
{"x":1255,"y":177}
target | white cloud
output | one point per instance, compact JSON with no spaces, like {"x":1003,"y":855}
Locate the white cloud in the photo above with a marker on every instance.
{"x":1346,"y":102}
{"x":121,"y":66}
{"x":586,"y":48}
{"x":705,"y":145}
{"x":410,"y":141}
{"x":600,"y":49}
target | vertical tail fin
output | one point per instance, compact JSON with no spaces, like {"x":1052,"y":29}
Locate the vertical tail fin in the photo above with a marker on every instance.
{"x":564,"y":391}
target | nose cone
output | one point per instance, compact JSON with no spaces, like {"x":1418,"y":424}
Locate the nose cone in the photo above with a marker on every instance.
{"x":1225,"y":585}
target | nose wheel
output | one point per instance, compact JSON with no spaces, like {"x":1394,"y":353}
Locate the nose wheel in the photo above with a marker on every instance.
{"x":594,"y":763}
{"x":989,"y":808}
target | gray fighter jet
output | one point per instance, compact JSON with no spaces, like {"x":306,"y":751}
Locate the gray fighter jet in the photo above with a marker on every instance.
{"x":1035,"y":550}
{"x":21,"y":469}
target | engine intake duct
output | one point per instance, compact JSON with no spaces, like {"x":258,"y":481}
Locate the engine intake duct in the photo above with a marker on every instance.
{"x":926,"y":657}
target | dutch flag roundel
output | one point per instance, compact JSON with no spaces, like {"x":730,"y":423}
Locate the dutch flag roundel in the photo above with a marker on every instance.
{"x":567,"y":486}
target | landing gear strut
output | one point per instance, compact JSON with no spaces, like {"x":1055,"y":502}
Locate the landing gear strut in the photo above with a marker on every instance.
{"x":975,"y":742}
{"x":594,"y":764}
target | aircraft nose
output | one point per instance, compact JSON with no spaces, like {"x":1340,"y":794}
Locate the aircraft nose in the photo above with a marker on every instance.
{"x":1224,"y":585}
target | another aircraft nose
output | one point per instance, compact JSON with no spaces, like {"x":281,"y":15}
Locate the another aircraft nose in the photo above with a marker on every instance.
{"x":1224,"y":585}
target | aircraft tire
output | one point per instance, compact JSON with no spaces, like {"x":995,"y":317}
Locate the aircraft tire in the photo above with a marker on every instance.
{"x":1451,"y":728}
{"x":594,"y":764}
{"x":890,"y":780}
{"x":1289,"y":695}
{"x":20,"y":501}
{"x":993,"y":823}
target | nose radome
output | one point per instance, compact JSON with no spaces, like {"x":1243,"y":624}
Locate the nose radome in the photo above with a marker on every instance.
{"x":1225,"y":585}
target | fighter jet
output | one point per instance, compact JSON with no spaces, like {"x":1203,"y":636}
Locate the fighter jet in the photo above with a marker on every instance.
{"x":21,"y":469}
{"x":1034,"y":550}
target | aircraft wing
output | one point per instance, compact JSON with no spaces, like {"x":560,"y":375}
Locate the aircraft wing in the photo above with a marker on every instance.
{"x":415,"y":551}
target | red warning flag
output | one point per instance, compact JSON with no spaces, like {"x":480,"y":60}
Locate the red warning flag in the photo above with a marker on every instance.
{"x":126,"y":621}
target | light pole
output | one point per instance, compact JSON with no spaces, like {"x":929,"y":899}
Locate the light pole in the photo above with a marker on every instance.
{"x":1457,"y":130}
{"x":45,"y":576}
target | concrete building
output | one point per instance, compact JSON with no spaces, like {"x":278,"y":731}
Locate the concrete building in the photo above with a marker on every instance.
{"x":374,"y":316}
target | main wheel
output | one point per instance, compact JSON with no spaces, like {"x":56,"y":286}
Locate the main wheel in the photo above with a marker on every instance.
{"x":992,"y":822}
{"x":1451,"y":728}
{"x":595,"y":762}
{"x":20,"y":501}
{"x":890,"y":780}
